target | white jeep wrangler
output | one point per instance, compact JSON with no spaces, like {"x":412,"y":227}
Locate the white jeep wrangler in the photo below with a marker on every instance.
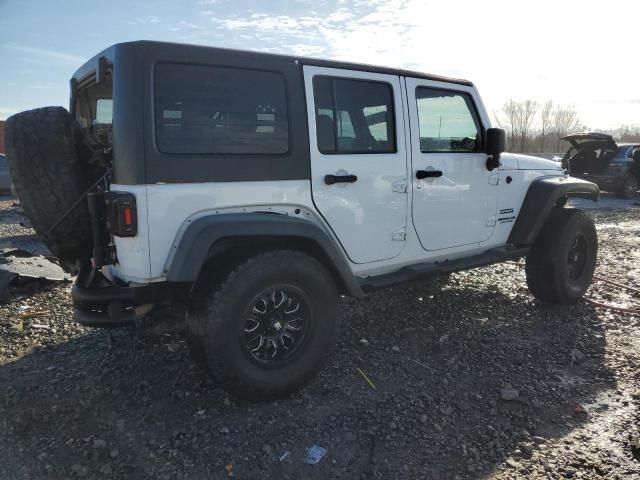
{"x":255,"y":189}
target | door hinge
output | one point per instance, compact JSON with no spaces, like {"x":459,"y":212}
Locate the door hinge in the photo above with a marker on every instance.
{"x":491,"y":221}
{"x":399,"y":235}
{"x":494,"y":180}
{"x":400,"y":187}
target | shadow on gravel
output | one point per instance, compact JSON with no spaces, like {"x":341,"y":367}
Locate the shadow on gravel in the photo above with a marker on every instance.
{"x":126,"y":405}
{"x":14,"y":216}
{"x":20,"y":239}
{"x":29,"y":242}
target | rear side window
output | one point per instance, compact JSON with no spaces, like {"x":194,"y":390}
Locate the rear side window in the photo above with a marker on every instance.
{"x":209,"y":110}
{"x":448,"y":121}
{"x":354,"y":116}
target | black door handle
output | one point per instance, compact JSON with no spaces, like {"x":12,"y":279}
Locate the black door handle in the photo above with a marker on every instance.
{"x":331,"y":179}
{"x":420,"y":174}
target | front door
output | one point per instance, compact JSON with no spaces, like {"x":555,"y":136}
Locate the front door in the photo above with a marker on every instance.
{"x":359,"y":159}
{"x":454,"y":195}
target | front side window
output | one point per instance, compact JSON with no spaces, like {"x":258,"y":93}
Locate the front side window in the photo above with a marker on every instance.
{"x":219,"y":110}
{"x":353,"y":116}
{"x":448,"y":121}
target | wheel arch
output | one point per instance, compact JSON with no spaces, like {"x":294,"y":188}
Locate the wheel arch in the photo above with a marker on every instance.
{"x":225,"y":239}
{"x":544,"y":194}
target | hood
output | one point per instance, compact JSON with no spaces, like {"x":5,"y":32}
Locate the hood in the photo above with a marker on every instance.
{"x":591,"y":140}
{"x":529,"y":162}
{"x":590,"y":152}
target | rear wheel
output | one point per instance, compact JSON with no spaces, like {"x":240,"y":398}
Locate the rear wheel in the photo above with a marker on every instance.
{"x":265,"y":330}
{"x":630,"y":186}
{"x":560,"y":265}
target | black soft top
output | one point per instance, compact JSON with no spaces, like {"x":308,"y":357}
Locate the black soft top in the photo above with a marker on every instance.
{"x":155,"y":49}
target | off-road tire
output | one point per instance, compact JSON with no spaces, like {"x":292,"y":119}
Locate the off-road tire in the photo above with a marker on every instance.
{"x":549,"y":264}
{"x":216,"y":327}
{"x":48,"y":161}
{"x":629,"y":187}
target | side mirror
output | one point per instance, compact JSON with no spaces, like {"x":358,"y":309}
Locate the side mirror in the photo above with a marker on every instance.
{"x":495,"y":141}
{"x":636,"y":155}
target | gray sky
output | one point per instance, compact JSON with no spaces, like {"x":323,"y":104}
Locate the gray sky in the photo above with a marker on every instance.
{"x":579,"y":52}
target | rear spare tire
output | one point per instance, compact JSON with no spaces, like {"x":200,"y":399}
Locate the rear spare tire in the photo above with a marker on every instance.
{"x":48,"y":161}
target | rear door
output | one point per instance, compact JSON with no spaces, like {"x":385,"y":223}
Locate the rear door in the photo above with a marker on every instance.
{"x":358,"y":159}
{"x":454,"y":195}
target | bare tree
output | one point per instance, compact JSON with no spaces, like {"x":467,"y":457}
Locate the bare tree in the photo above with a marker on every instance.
{"x":526,"y":113}
{"x":629,"y":133}
{"x":517,"y":118}
{"x":507,"y":119}
{"x":563,"y":121}
{"x":545,"y":121}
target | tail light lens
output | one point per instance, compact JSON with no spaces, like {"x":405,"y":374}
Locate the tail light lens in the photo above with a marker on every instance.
{"x":120,"y":214}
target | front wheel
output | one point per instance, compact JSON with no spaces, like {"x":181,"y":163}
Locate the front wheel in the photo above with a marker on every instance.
{"x":630,"y":186}
{"x":265,"y":330}
{"x":561,"y":263}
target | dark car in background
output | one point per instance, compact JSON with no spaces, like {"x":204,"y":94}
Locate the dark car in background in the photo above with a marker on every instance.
{"x":5,"y":178}
{"x":596,"y":157}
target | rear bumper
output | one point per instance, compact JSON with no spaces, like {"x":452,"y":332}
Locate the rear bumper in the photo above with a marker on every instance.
{"x":98,"y":302}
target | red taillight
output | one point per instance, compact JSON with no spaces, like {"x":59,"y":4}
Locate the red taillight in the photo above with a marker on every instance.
{"x":121,"y":214}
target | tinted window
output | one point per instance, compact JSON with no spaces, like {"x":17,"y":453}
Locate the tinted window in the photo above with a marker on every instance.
{"x":354,"y":116}
{"x":202,"y":109}
{"x":448,"y":122}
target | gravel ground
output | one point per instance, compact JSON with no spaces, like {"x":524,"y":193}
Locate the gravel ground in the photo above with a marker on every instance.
{"x":473,"y":379}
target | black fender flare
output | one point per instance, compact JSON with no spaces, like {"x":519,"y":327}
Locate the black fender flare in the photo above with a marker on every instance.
{"x":543,"y":195}
{"x":192,"y":250}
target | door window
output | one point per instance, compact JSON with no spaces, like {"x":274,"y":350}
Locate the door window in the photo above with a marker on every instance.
{"x":354,"y":116}
{"x":448,"y":121}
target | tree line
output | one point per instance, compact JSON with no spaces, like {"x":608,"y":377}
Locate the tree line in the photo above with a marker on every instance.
{"x":539,"y":127}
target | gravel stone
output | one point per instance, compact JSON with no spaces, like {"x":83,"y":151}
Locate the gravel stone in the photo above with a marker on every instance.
{"x":508,"y":393}
{"x":577,"y":355}
{"x":435,"y":412}
{"x":99,"y":443}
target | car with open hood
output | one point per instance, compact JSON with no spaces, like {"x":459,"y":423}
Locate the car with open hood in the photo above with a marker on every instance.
{"x":596,"y":157}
